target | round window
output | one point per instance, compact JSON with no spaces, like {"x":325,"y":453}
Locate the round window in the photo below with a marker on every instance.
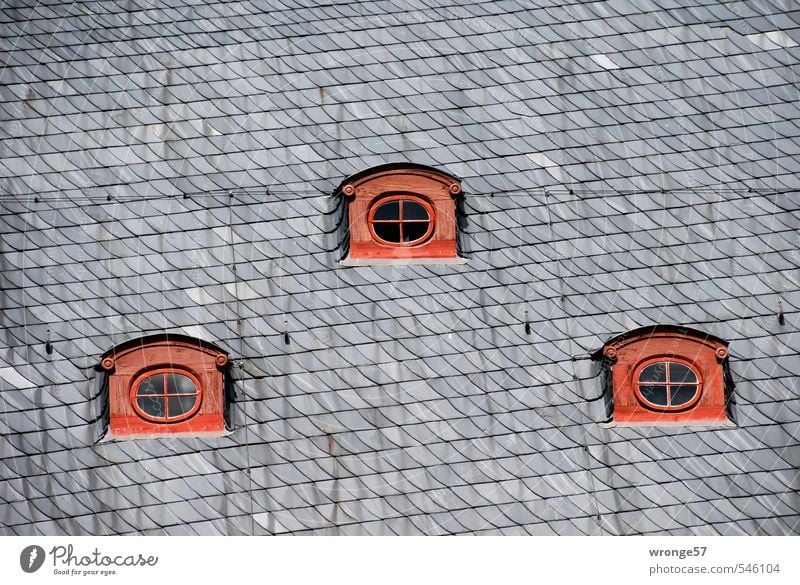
{"x":166,"y":396}
{"x":401,"y":221}
{"x":668,"y":385}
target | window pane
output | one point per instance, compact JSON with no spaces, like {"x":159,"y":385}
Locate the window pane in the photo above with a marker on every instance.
{"x":682,"y":394}
{"x":390,"y":210}
{"x":654,"y":373}
{"x":387,"y":231}
{"x":655,"y":394}
{"x":180,"y":384}
{"x":414,"y":230}
{"x":679,"y":374}
{"x":179,"y":405}
{"x":413,"y":210}
{"x":152,"y":405}
{"x":151,"y":385}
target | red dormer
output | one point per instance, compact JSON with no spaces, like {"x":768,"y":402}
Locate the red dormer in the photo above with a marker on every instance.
{"x":401,"y":214}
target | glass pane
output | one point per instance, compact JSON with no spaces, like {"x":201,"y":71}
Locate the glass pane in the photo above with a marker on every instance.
{"x":654,"y":373}
{"x":180,"y":384}
{"x":655,"y":394}
{"x":414,"y":230}
{"x":387,"y":231}
{"x":682,"y":394}
{"x":151,"y":385}
{"x":679,"y":374}
{"x":413,"y":210}
{"x":390,"y":210}
{"x":179,"y":405}
{"x":152,"y":405}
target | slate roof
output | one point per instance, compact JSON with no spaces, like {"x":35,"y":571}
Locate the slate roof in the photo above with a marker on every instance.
{"x":624,"y":164}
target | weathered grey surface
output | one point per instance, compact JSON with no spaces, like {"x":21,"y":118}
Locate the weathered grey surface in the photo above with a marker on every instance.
{"x":409,"y":399}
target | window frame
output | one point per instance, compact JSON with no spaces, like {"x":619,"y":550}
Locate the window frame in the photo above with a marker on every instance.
{"x":378,"y":203}
{"x":166,"y":420}
{"x":636,"y":378}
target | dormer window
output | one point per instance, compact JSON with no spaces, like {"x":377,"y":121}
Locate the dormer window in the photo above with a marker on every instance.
{"x":401,"y":214}
{"x":667,"y":375}
{"x":165,"y":386}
